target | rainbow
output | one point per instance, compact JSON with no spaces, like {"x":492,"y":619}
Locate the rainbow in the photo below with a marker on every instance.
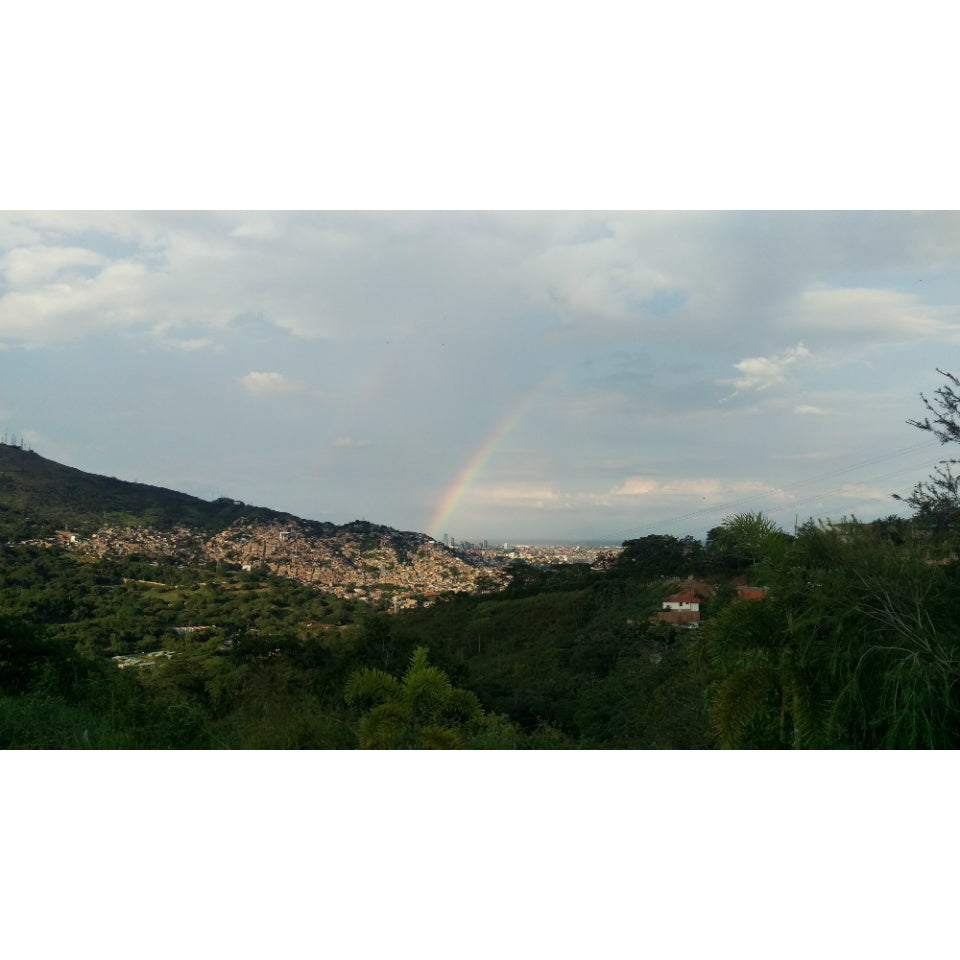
{"x":480,"y":458}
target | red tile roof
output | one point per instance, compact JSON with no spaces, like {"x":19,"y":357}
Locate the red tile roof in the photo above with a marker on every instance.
{"x":688,"y":597}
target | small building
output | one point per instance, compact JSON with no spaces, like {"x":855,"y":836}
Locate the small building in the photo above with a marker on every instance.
{"x":681,"y":610}
{"x":682,"y":601}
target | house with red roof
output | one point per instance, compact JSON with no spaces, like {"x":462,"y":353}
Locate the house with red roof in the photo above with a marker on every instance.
{"x":681,"y":609}
{"x":687,"y":600}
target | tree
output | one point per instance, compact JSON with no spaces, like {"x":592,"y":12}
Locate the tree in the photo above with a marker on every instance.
{"x":750,"y":538}
{"x":762,"y":694}
{"x":661,"y":555}
{"x":22,"y":653}
{"x":855,"y":647}
{"x":937,"y":499}
{"x":421,"y":710}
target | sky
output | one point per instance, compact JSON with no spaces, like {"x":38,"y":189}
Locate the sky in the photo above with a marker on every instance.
{"x":510,"y":376}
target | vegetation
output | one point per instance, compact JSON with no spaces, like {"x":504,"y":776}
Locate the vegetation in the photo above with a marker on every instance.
{"x":854,"y":647}
{"x":851,"y":644}
{"x":936,"y":500}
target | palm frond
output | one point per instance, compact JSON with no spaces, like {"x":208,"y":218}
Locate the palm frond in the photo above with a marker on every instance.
{"x":739,"y":699}
{"x":419,"y":660}
{"x":368,"y":687}
{"x":383,"y":727}
{"x":440,"y":738}
{"x":426,"y":690}
{"x":464,"y":706}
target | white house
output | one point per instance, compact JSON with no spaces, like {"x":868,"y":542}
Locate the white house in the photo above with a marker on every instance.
{"x":682,"y":601}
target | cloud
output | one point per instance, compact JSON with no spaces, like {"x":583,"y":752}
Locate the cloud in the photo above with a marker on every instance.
{"x":68,"y":308}
{"x":519,"y":493}
{"x":864,"y":314}
{"x":259,"y":384}
{"x":762,"y":373}
{"x":806,"y":409}
{"x":199,"y":343}
{"x":28,"y":266}
{"x":587,"y":277}
{"x":258,"y":229}
{"x":600,"y":279}
{"x":347,"y":443}
{"x":703,"y":487}
{"x":709,"y":489}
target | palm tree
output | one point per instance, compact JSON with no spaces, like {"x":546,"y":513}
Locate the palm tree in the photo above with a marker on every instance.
{"x":421,"y":710}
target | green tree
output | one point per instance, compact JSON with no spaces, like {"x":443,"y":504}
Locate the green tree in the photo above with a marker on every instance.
{"x":421,"y":710}
{"x":22,"y":652}
{"x":750,"y":538}
{"x":661,"y":555}
{"x":937,"y":499}
{"x":854,"y":646}
{"x":763,"y":696}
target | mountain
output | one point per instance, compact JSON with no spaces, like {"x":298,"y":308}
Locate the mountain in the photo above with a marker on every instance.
{"x":45,"y":501}
{"x":39,"y":496}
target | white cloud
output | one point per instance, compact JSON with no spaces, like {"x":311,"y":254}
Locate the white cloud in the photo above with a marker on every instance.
{"x":198,"y":343}
{"x":863,"y":492}
{"x":762,"y":373}
{"x":705,"y":488}
{"x":600,"y":276}
{"x":708,"y":489}
{"x":27,"y":266}
{"x":863,"y":314}
{"x":260,"y":384}
{"x":70,"y":308}
{"x":258,"y":229}
{"x":516,"y":494}
{"x":807,"y":409}
{"x":603,"y":278}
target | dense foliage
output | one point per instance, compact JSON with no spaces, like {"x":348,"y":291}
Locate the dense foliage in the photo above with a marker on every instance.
{"x":853,"y":645}
{"x":539,"y":663}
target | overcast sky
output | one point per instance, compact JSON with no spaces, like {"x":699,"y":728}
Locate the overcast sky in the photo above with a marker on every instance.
{"x":508,"y":376}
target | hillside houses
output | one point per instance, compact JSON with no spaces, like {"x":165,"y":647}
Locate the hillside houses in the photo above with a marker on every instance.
{"x":346,"y":564}
{"x":683,"y":609}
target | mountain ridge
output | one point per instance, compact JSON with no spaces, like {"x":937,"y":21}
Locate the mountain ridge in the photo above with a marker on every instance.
{"x":52,"y":504}
{"x":61,"y":496}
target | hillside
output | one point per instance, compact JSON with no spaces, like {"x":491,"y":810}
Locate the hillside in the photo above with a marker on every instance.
{"x":39,"y":496}
{"x":45,"y":502}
